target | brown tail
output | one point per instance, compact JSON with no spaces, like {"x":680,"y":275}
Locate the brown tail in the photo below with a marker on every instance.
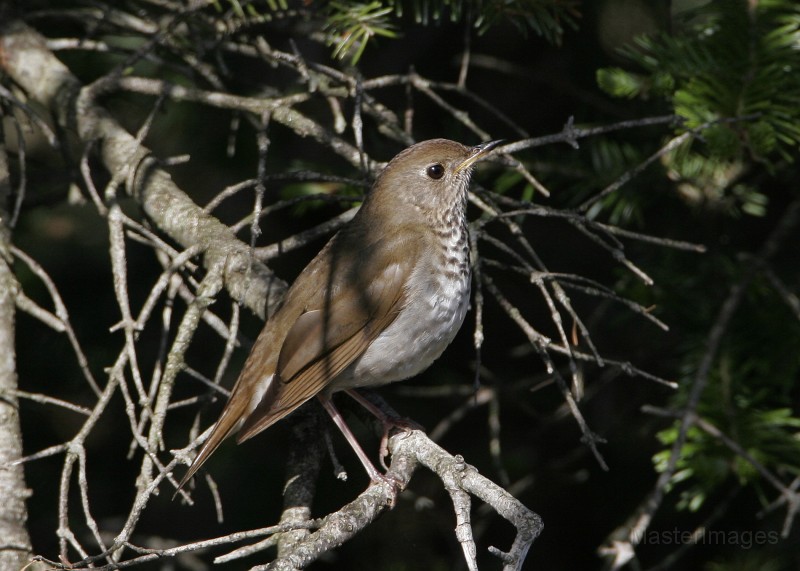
{"x":226,"y":424}
{"x":235,"y":412}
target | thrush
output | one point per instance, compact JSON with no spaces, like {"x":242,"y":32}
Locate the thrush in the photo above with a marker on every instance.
{"x":378,"y":304}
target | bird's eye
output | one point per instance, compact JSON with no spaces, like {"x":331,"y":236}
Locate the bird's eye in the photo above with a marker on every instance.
{"x":435,"y":171}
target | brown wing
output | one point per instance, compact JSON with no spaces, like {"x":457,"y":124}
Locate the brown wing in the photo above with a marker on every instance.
{"x":324,"y":342}
{"x":308,"y":359}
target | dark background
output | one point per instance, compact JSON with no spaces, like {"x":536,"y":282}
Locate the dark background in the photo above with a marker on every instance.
{"x":540,"y":88}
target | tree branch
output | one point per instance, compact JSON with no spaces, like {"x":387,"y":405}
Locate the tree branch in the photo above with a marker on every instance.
{"x":15,"y":543}
{"x":25,"y":58}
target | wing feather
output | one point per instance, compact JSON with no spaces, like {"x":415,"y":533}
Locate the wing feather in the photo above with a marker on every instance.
{"x":322,"y":343}
{"x":326,"y":334}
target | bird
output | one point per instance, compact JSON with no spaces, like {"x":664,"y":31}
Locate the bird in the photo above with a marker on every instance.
{"x":378,"y":304}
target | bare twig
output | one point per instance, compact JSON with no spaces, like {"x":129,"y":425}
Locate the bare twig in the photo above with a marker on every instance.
{"x":178,"y":231}
{"x":637,"y":525}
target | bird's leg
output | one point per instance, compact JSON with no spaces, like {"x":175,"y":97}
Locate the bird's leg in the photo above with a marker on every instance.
{"x":388,"y":421}
{"x":374,"y":474}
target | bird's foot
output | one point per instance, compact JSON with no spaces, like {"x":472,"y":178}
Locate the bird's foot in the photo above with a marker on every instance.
{"x":392,"y":423}
{"x":388,"y":420}
{"x":394,"y":484}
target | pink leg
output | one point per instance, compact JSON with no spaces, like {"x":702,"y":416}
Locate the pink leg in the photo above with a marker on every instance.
{"x":387,"y":421}
{"x":373,"y":473}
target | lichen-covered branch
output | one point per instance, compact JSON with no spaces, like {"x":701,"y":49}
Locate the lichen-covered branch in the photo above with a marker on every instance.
{"x":15,"y":543}
{"x":44,"y":78}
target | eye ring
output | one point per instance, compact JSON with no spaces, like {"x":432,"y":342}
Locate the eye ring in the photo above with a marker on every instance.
{"x":435,"y":171}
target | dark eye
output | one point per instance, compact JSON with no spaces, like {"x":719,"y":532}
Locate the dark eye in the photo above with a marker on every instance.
{"x":435,"y":171}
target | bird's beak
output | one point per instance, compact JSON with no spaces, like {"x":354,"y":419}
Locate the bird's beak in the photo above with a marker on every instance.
{"x":477,"y":153}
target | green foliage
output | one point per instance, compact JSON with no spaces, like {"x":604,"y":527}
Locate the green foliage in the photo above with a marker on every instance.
{"x":703,"y":471}
{"x":749,"y":398}
{"x":771,"y":437}
{"x":350,"y":24}
{"x":426,"y":12}
{"x":546,"y":18}
{"x":730,"y":71}
{"x":707,"y":179}
{"x":248,"y":10}
{"x":238,"y":14}
{"x":610,"y":159}
{"x":311,"y":195}
{"x":620,"y":83}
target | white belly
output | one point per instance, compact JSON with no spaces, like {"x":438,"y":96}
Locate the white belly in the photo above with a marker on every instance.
{"x":427,"y":324}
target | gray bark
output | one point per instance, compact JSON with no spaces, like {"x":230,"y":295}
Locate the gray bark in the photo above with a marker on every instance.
{"x":15,"y":544}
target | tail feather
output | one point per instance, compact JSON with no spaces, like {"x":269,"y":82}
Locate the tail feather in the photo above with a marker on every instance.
{"x":238,"y":408}
{"x":271,"y":408}
{"x":226,"y":424}
{"x":262,"y":419}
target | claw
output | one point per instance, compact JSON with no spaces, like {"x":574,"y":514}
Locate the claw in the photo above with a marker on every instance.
{"x":394,"y":484}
